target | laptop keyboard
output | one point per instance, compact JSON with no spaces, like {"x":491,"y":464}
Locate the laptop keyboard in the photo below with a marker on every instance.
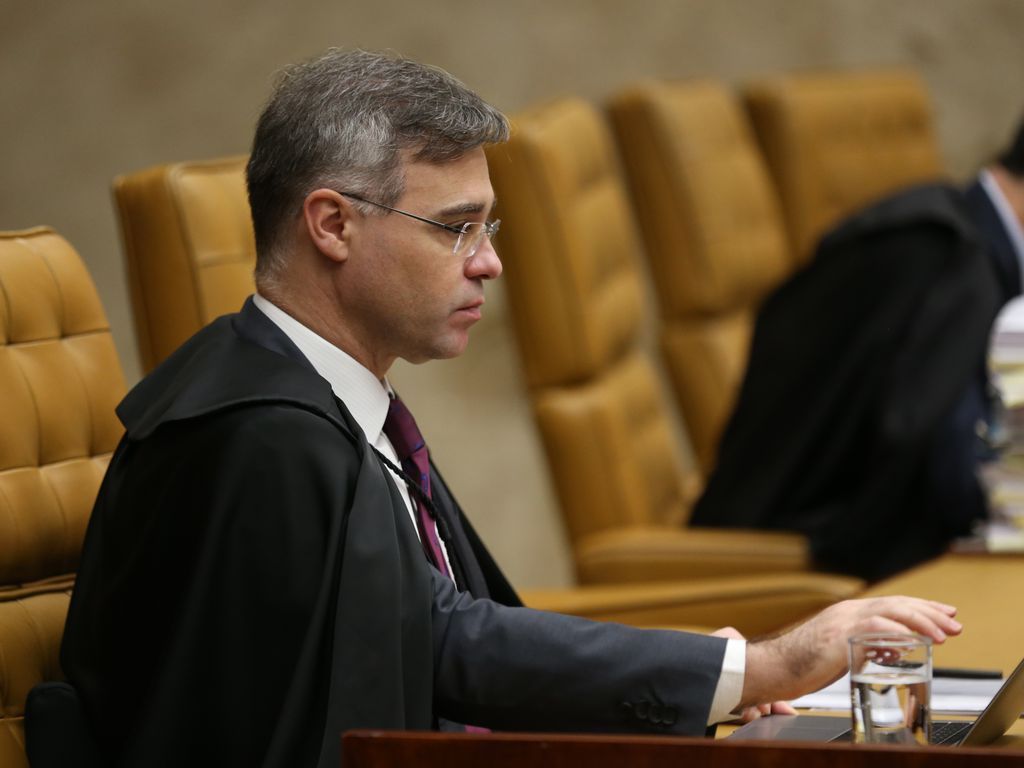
{"x":949,"y":731}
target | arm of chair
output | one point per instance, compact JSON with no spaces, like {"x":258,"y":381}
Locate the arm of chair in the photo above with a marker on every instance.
{"x":664,"y":553}
{"x":753,"y":604}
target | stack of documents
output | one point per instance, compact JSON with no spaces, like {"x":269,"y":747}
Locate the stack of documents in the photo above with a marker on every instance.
{"x":1004,"y":479}
{"x":1007,"y":342}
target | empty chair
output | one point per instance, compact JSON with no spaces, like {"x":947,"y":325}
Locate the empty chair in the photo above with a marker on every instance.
{"x":189,"y":248}
{"x":714,"y":237}
{"x":570,"y":250}
{"x":59,"y":382}
{"x":836,"y":141}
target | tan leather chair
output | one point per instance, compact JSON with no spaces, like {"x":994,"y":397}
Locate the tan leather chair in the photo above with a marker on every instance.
{"x":189,"y":248}
{"x":836,"y":141}
{"x":59,"y":382}
{"x":714,"y":236}
{"x":570,"y":249}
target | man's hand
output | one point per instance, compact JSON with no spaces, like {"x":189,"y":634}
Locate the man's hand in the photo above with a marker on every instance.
{"x":815,"y":653}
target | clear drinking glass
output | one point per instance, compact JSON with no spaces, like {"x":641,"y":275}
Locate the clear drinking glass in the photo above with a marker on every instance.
{"x":890,"y":688}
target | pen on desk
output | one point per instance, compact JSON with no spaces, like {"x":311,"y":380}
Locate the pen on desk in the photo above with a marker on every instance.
{"x":967,"y":674}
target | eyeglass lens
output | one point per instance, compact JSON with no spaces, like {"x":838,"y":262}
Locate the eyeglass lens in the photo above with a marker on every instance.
{"x":472,"y":237}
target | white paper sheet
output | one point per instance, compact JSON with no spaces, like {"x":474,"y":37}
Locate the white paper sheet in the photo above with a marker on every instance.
{"x":949,"y":695}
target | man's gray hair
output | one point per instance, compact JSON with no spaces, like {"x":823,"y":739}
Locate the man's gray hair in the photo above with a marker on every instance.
{"x":340,"y":121}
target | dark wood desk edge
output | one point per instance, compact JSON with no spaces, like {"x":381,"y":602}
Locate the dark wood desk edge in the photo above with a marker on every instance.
{"x":384,"y":749}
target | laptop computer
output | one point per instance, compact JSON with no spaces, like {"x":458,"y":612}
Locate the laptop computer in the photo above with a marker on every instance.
{"x":1006,"y":706}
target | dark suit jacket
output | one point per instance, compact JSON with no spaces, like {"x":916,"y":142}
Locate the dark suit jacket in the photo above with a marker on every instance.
{"x":252,"y":586}
{"x":855,"y":423}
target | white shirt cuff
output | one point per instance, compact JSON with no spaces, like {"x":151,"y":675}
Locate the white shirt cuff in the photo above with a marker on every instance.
{"x":730,"y":683}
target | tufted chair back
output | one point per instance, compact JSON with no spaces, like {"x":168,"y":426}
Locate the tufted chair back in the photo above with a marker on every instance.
{"x":573,"y":281}
{"x":715,"y":239}
{"x":836,"y":141}
{"x":60,"y":380}
{"x":189,"y":248}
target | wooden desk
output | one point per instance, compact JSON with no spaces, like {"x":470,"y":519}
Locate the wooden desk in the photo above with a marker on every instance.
{"x":987,"y":590}
{"x":379,"y":749}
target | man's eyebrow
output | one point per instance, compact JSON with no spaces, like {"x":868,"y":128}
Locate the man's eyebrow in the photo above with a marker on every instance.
{"x":465,"y":208}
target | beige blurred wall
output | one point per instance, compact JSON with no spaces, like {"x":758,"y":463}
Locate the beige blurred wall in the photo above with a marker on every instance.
{"x":92,"y":89}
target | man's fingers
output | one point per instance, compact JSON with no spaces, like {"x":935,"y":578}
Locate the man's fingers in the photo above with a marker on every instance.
{"x":759,"y":710}
{"x":949,"y":610}
{"x":763,"y":710}
{"x":783,"y":708}
{"x":913,"y":615}
{"x":905,"y":622}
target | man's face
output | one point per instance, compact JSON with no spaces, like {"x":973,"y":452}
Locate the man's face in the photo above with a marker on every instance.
{"x":408,"y":294}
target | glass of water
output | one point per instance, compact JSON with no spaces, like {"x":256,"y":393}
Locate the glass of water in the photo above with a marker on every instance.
{"x":890,"y":688}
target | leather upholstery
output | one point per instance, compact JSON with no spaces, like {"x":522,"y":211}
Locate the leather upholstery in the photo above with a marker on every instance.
{"x":189,"y":248}
{"x":59,"y":381}
{"x":714,"y":237}
{"x":569,"y":246}
{"x":836,"y":141}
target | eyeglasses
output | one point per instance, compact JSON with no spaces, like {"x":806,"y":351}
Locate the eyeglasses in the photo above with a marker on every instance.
{"x":470,"y":235}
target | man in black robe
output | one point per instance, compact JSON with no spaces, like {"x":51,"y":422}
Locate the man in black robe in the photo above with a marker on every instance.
{"x":255,"y":578}
{"x":866,"y":408}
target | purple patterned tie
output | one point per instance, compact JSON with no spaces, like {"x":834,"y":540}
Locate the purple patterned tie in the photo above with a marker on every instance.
{"x":401,"y":429}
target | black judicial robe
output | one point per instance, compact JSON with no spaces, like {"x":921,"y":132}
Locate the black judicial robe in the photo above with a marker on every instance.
{"x":855,"y":423}
{"x":251,"y":586}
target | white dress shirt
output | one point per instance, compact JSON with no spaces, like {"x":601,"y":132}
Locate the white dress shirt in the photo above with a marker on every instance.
{"x":1011,"y":223}
{"x":367,"y":399}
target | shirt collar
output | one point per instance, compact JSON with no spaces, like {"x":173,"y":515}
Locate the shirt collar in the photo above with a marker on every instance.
{"x":366,"y":397}
{"x":1007,"y":216}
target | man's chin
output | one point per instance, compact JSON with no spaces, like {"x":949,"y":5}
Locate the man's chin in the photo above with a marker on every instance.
{"x":448,"y":348}
{"x":453,"y":350}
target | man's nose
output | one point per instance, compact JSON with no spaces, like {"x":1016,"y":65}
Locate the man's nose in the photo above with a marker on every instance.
{"x":485,"y":263}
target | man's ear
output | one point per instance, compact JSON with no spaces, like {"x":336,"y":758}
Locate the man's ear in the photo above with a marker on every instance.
{"x":328,"y":217}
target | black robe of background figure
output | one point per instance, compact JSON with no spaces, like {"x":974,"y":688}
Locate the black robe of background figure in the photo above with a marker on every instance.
{"x":857,"y":422}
